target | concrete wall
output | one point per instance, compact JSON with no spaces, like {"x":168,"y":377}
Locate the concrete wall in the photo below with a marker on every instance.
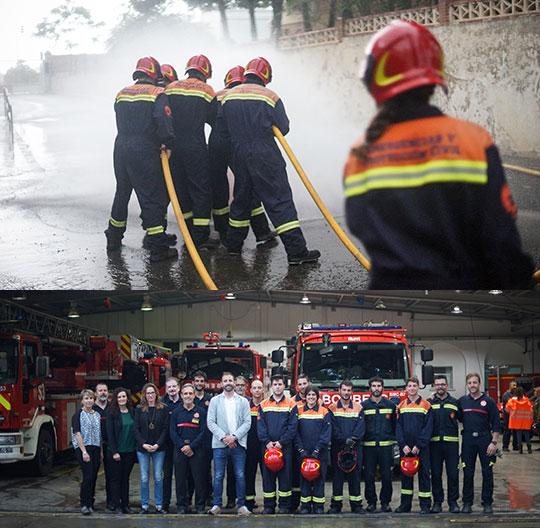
{"x":493,"y":71}
{"x":458,"y":342}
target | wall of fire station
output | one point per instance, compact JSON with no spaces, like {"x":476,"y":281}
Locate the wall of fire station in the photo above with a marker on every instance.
{"x":459,"y":343}
{"x":493,"y":77}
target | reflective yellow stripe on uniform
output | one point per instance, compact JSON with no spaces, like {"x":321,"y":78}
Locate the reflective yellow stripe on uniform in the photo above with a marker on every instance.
{"x":386,"y":443}
{"x":117,"y":223}
{"x":155,"y":230}
{"x":271,"y":495}
{"x":190,"y":93}
{"x":254,"y":413}
{"x":287,"y":227}
{"x":319,"y":500}
{"x":311,"y":416}
{"x":135,"y":98}
{"x":250,"y":497}
{"x":257,"y":211}
{"x":276,"y":409}
{"x":238,"y":223}
{"x":424,"y":494}
{"x":355,"y":497}
{"x":439,"y":171}
{"x":219,"y":212}
{"x":188,"y":215}
{"x":369,"y":444}
{"x":346,"y":415}
{"x":385,"y":411}
{"x":305,"y":499}
{"x":337,"y":498}
{"x":406,"y":491}
{"x":451,"y":438}
{"x":419,"y":410}
{"x":370,"y":411}
{"x":284,"y":493}
{"x":249,"y":97}
{"x":450,"y":406}
{"x":435,"y":439}
{"x":435,"y":405}
{"x":201,"y":221}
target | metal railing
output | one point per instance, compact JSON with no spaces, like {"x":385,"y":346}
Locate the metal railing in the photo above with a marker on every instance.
{"x":8,"y":111}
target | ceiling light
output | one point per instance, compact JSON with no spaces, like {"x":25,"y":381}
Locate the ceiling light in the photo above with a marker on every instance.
{"x":456,"y":310}
{"x":73,"y":312}
{"x":305,"y":300}
{"x":146,"y":306}
{"x":18,"y":296}
{"x":230,"y":296}
{"x":495,"y":292}
{"x":379,"y":305}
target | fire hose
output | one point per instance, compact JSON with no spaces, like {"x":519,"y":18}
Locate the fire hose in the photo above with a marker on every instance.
{"x":208,"y":282}
{"x":326,"y":213}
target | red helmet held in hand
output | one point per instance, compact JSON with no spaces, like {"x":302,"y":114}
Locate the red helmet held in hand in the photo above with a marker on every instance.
{"x":310,"y":468}
{"x":273,"y":459}
{"x":201,"y":63}
{"x":261,"y":68}
{"x":234,"y":75}
{"x":168,"y":73}
{"x":409,"y":466}
{"x":402,"y":56}
{"x":347,"y":460}
{"x":148,"y":66}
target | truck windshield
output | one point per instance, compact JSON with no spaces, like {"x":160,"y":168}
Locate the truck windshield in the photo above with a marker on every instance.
{"x":215,"y":362}
{"x":358,"y":362}
{"x":8,"y":361}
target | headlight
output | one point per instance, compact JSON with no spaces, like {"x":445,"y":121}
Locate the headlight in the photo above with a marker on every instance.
{"x":10,"y":439}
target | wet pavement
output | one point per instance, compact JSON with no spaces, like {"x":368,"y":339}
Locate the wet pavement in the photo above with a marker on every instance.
{"x":56,"y":189}
{"x":28,"y":501}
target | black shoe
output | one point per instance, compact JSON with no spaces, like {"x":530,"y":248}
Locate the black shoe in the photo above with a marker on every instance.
{"x":170,"y":240}
{"x":453,"y":508}
{"x":201,"y":511}
{"x":230,"y":504}
{"x":436,"y":508}
{"x":467,"y":508}
{"x":312,"y":255}
{"x":358,"y":510}
{"x":488,"y":509}
{"x":283,"y":511}
{"x":424,"y":511}
{"x":371,"y":507}
{"x":403,"y":509}
{"x":304,"y":510}
{"x":506,"y":449}
{"x":85,"y":510}
{"x":127,"y":510}
{"x":318,"y":509}
{"x":144,"y":511}
{"x":163,"y":253}
{"x":209,"y":243}
{"x":182,"y":511}
{"x":334,"y":509}
{"x":161,"y":511}
{"x":271,"y":235}
{"x":111,"y":507}
{"x":268,"y":511}
{"x":91,"y":509}
{"x":114,"y":241}
{"x":385,"y":507}
{"x":118,"y":510}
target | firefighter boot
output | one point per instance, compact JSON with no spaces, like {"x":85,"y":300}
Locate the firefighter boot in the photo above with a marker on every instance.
{"x":114,"y":240}
{"x":159,"y":248}
{"x":308,"y":256}
{"x":169,"y":237}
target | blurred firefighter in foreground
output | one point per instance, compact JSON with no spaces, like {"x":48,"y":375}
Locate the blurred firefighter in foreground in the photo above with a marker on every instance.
{"x":426,"y":193}
{"x":219,"y":148}
{"x":193,"y":103}
{"x":144,"y":123}
{"x":249,"y":111}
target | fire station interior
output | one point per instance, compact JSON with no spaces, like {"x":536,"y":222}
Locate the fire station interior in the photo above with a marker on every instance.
{"x":495,"y":334}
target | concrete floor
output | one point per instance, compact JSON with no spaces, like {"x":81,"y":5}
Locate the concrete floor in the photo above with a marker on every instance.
{"x":27,"y":501}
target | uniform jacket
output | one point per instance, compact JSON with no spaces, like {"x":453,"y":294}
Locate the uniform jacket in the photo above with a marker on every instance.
{"x":347,"y":422}
{"x":104,"y":414}
{"x":314,"y":430}
{"x":143,"y":116}
{"x":480,"y":415}
{"x":114,"y":429}
{"x":432,"y":207}
{"x":414,"y":424}
{"x":446,"y":414}
{"x":188,"y":427}
{"x":380,"y":421}
{"x":277,"y":421}
{"x":521,"y":413}
{"x":253,"y":438}
{"x":219,"y":425}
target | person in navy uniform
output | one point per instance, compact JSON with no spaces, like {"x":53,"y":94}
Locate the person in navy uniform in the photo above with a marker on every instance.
{"x":481,"y":428}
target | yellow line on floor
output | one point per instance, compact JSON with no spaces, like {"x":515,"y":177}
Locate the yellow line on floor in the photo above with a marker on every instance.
{"x":521,"y":169}
{"x":65,"y":472}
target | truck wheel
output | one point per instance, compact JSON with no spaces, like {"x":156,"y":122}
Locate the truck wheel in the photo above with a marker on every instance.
{"x":44,"y":454}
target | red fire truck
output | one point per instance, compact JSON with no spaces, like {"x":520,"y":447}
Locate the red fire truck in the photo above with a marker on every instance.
{"x":215,"y":357}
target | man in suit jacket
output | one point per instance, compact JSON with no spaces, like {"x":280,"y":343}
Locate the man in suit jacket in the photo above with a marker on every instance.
{"x":229,"y":421}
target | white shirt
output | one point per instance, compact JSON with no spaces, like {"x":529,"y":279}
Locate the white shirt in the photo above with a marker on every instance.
{"x":230,"y":408}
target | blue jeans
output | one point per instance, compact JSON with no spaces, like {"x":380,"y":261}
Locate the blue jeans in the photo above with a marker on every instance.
{"x":238,"y":458}
{"x":523,"y":434}
{"x":158,"y":458}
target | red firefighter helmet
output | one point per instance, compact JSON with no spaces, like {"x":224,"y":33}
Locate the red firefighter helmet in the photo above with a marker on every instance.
{"x":201,"y":63}
{"x":346,"y":460}
{"x":149,"y":66}
{"x":400,"y":57}
{"x":169,"y":73}
{"x":409,"y":466}
{"x":234,"y":75}
{"x":261,"y":68}
{"x":310,"y":468}
{"x":273,"y":458}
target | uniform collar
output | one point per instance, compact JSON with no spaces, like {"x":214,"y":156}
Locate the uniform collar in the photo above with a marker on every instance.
{"x":442,"y":399}
{"x":418,"y":112}
{"x":350,"y":406}
{"x":277,"y":401}
{"x":417,"y":401}
{"x":316,"y":408}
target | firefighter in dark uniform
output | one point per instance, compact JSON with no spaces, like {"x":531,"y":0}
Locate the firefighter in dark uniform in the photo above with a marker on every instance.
{"x":143,"y":119}
{"x":193,"y":103}
{"x":219,"y":149}
{"x":380,"y":417}
{"x":249,"y":112}
{"x":426,"y":193}
{"x":481,"y":428}
{"x":444,"y":445}
{"x":413,"y":431}
{"x":254,"y":459}
{"x":348,"y":428}
{"x":187,"y":428}
{"x":276,"y":427}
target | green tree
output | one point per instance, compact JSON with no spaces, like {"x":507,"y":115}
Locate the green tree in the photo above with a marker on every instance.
{"x":21,"y":74}
{"x":63,"y":21}
{"x":277,"y":9}
{"x":251,"y":5}
{"x":210,"y":5}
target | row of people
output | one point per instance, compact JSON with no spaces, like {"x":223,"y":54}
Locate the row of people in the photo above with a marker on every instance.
{"x":287,"y":438}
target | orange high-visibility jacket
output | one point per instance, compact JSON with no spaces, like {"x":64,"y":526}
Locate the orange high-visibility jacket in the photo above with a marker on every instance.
{"x":521,"y":413}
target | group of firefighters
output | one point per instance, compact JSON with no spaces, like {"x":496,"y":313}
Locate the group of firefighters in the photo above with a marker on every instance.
{"x":292,"y":439}
{"x":425,"y":193}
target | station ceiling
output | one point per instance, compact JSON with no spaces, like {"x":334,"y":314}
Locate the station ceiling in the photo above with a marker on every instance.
{"x":520,"y":307}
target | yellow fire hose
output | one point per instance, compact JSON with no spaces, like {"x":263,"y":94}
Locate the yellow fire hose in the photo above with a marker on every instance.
{"x":208,"y":282}
{"x":522,"y":169}
{"x":326,"y":213}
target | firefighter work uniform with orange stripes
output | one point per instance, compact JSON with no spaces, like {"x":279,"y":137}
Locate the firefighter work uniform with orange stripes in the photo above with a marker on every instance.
{"x":295,"y":499}
{"x":432,"y":207}
{"x":311,"y":441}
{"x":193,"y":103}
{"x":278,"y":422}
{"x":254,"y":456}
{"x":347,"y":424}
{"x":143,"y":119}
{"x":249,"y":111}
{"x":413,"y":428}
